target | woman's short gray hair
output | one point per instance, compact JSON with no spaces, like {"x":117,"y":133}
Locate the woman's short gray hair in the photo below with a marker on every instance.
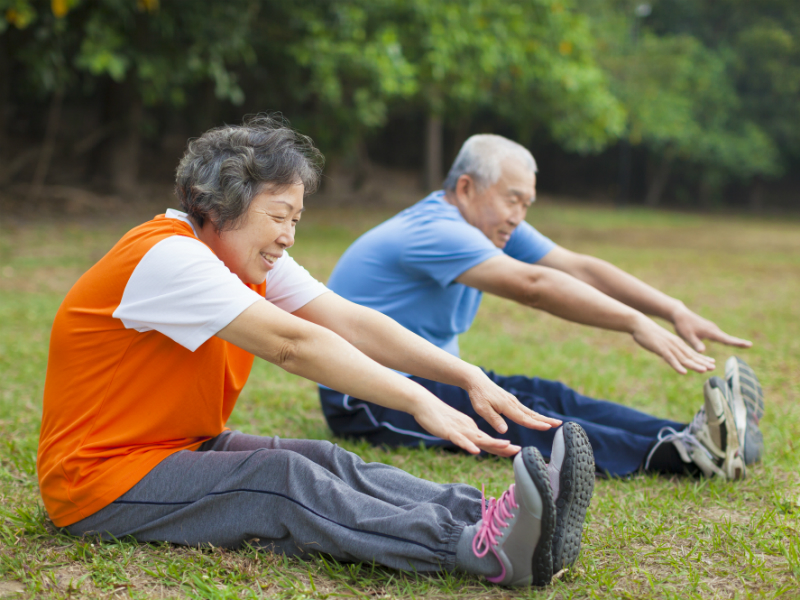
{"x":225,"y":168}
{"x":481,"y":157}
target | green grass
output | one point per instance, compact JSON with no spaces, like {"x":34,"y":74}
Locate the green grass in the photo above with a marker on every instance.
{"x":645,"y":537}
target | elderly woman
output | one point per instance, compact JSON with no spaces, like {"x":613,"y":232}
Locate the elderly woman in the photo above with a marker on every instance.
{"x":152,"y":346}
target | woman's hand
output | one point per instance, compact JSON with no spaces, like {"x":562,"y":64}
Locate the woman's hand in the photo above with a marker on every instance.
{"x":446,"y":422}
{"x":493,"y":403}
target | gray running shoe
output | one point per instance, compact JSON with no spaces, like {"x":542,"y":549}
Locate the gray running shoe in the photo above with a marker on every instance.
{"x":571,"y":471}
{"x":711,"y":441}
{"x":748,"y":397}
{"x":721,"y":434}
{"x":689,"y":447}
{"x":518,"y":528}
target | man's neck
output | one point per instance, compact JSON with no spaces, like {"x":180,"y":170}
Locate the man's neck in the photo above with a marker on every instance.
{"x":450,"y":198}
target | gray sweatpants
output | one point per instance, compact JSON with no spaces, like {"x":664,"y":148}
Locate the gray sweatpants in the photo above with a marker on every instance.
{"x":296,"y":497}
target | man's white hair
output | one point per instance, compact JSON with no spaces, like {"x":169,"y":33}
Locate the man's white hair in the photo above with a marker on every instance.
{"x":482,"y":156}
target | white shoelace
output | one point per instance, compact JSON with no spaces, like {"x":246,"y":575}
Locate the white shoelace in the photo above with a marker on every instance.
{"x":685,"y":437}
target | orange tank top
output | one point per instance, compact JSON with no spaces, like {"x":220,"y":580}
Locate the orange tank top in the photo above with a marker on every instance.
{"x":117,"y":401}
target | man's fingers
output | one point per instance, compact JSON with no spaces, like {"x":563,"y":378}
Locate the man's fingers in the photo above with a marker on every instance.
{"x":675,"y":364}
{"x":724,"y":338}
{"x":694,"y":361}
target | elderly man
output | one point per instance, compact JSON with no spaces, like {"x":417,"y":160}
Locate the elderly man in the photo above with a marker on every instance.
{"x":427,"y":268}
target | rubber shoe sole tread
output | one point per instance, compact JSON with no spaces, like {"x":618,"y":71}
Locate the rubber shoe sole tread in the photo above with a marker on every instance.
{"x":733,"y":462}
{"x":747,"y":391}
{"x":542,"y":560}
{"x":739,"y":373}
{"x":576,"y":485}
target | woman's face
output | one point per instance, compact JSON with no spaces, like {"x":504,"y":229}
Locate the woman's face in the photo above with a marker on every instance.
{"x":266,"y":230}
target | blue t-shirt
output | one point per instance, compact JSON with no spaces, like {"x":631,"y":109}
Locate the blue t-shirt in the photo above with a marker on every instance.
{"x":406,"y":268}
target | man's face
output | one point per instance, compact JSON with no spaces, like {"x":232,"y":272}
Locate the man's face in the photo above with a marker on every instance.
{"x":499,"y":208}
{"x":251,"y":250}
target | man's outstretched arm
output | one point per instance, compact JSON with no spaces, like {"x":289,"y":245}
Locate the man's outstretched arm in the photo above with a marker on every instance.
{"x":567,"y":297}
{"x":629,"y":290}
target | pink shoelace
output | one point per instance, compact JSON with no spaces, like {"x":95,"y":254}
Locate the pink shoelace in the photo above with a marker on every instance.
{"x":493,"y":519}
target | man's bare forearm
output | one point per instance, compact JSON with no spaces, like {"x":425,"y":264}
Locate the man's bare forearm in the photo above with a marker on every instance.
{"x":567,"y":297}
{"x":626,"y":288}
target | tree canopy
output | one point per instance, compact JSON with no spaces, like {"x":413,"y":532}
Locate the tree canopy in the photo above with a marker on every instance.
{"x":708,"y":92}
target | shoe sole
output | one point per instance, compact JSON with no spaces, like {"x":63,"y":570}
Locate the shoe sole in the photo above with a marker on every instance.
{"x":748,"y":396}
{"x":745,"y":385}
{"x":733,"y":463}
{"x":576,"y":485}
{"x":542,"y":561}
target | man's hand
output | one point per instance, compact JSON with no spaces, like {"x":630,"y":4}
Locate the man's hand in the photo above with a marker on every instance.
{"x":677,"y":353}
{"x":492,"y":403}
{"x":446,"y":422}
{"x":693,"y":328}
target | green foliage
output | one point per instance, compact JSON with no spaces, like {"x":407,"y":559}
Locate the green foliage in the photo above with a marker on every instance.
{"x":529,"y":61}
{"x":711,"y":85}
{"x":682,"y":94}
{"x":361,"y":58}
{"x":161,"y":51}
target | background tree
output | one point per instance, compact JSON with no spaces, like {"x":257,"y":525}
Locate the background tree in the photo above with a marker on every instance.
{"x":529,"y":62}
{"x":125,"y":55}
{"x":705,"y":94}
{"x":687,"y":84}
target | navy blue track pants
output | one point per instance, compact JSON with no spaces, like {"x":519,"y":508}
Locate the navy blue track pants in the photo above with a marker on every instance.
{"x":620,"y":436}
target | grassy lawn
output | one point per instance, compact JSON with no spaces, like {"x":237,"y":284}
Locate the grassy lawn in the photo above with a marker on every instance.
{"x":645,"y":537}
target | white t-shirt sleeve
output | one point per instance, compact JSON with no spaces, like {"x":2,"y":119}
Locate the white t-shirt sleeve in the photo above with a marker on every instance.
{"x":181,"y":289}
{"x":290,"y":286}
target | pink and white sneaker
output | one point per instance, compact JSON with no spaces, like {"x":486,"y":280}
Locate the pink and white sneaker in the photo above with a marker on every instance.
{"x":518,"y":528}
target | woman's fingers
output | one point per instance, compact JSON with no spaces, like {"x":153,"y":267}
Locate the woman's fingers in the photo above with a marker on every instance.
{"x":473,"y":440}
{"x":526,"y":417}
{"x":492,"y":416}
{"x":504,"y":404}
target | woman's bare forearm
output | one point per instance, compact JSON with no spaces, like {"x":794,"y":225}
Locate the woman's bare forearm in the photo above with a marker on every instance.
{"x":318,"y":354}
{"x":389,"y":343}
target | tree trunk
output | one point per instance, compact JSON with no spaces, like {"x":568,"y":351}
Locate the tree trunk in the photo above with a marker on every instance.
{"x":5,"y":92}
{"x":756,"y":200}
{"x":125,"y":152}
{"x":118,"y":155}
{"x":433,"y":152}
{"x":49,"y":144}
{"x":656,"y":190}
{"x":623,"y":194}
{"x":461,"y":134}
{"x":710,"y":184}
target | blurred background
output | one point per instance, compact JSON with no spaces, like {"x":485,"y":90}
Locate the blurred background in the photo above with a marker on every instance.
{"x":672,"y":103}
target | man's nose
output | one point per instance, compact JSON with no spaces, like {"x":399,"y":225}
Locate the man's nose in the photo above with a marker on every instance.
{"x":517,"y":216}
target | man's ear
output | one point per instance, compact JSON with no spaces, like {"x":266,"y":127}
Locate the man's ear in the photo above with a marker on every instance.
{"x":465,"y":188}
